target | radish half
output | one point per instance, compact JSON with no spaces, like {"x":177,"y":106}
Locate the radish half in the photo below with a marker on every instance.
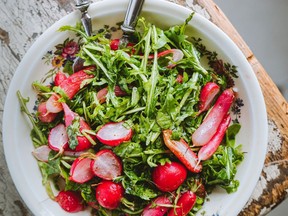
{"x":58,"y":138}
{"x":44,"y":115}
{"x":80,"y":171}
{"x":113,"y":134}
{"x":53,"y":105}
{"x":213,"y":119}
{"x":106,"y":165}
{"x":207,"y":94}
{"x":42,"y":153}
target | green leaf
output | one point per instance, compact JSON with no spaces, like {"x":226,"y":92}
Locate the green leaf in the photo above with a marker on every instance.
{"x":49,"y":168}
{"x":73,"y":132}
{"x":164,"y":120}
{"x":68,"y":67}
{"x":128,"y":150}
{"x":231,"y":133}
{"x":40,"y":136}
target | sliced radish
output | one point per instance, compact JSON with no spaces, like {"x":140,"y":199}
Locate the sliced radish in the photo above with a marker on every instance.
{"x":83,"y":142}
{"x":177,"y":56}
{"x":102,"y":93}
{"x":106,"y":165}
{"x":207,"y":94}
{"x":183,"y":152}
{"x":80,"y":171}
{"x":72,"y":84}
{"x":210,"y":124}
{"x":210,"y":148}
{"x":53,"y":105}
{"x":158,"y":207}
{"x":42,"y":153}
{"x":58,"y":138}
{"x":44,"y":115}
{"x":59,"y":78}
{"x":114,"y":133}
{"x":119,"y":92}
{"x":179,"y":78}
{"x":69,"y":115}
{"x":186,"y":202}
{"x":73,"y":153}
{"x":114,"y":45}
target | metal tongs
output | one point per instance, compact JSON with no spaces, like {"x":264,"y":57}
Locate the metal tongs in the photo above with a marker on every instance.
{"x":83,"y":5}
{"x":128,"y":27}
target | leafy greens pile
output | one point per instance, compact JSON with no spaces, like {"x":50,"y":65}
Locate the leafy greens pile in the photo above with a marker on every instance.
{"x":155,"y":101}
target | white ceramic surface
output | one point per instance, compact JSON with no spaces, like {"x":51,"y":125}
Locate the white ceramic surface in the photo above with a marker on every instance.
{"x":16,"y":129}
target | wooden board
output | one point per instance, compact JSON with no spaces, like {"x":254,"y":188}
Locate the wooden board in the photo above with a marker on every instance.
{"x":22,"y":22}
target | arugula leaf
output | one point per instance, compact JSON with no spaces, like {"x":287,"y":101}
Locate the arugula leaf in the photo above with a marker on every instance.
{"x":73,"y":132}
{"x":164,"y":120}
{"x":221,"y":169}
{"x":40,"y":138}
{"x":128,"y":150}
{"x":231,"y":133}
{"x":50,"y":168}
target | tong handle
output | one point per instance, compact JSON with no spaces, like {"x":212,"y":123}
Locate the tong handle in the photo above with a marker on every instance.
{"x":82,"y":2}
{"x":133,"y":10}
{"x":83,"y":5}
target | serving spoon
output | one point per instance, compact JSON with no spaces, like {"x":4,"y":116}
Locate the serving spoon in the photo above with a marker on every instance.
{"x":128,"y":27}
{"x":83,"y":5}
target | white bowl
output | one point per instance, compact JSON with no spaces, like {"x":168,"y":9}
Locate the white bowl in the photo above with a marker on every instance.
{"x":16,"y":129}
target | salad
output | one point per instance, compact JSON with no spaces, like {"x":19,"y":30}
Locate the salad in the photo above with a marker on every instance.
{"x":148,"y":129}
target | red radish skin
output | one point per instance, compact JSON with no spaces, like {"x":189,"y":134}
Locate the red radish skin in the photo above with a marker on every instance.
{"x":119,"y":92}
{"x":114,"y":45}
{"x":53,"y":105}
{"x":70,"y":201}
{"x":69,"y":116}
{"x":169,"y":177}
{"x":210,"y":124}
{"x":83,"y":144}
{"x":207,"y":94}
{"x":156,"y":208}
{"x":101,"y":94}
{"x":177,"y":56}
{"x":74,"y":153}
{"x":42,"y":153}
{"x":179,"y":78}
{"x":210,"y":148}
{"x":80,"y":171}
{"x":183,"y":152}
{"x":59,"y":78}
{"x":109,"y":194}
{"x":106,"y":165}
{"x":114,"y":133}
{"x":94,"y":205}
{"x":72,"y":84}
{"x":185,"y":203}
{"x":58,"y":138}
{"x":44,"y":115}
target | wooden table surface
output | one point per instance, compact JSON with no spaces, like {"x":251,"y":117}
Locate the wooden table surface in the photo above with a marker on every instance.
{"x":22,"y":22}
